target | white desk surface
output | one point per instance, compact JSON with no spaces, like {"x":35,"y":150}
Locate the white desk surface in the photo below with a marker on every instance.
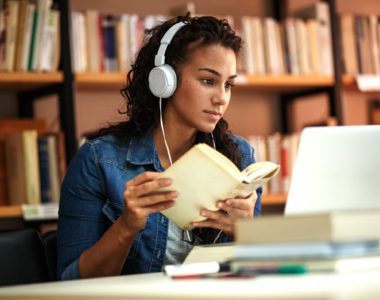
{"x":365,"y":285}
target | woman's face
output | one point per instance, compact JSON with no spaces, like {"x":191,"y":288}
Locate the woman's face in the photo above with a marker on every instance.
{"x":204,"y":91}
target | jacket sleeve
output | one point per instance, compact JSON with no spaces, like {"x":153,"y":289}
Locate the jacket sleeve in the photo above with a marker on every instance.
{"x":248,"y":157}
{"x":81,"y":221}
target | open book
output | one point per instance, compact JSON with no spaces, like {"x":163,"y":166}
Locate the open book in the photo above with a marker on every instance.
{"x":202,"y":176}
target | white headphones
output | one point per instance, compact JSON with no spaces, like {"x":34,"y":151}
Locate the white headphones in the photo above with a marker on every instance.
{"x":162,"y":78}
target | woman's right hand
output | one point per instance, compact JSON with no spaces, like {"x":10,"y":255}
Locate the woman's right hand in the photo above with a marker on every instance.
{"x":140,"y":199}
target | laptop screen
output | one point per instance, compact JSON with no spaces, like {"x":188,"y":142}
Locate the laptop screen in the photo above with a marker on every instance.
{"x":337,"y":168}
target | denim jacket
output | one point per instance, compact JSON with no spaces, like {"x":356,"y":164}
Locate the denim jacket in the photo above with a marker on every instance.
{"x":92,"y":199}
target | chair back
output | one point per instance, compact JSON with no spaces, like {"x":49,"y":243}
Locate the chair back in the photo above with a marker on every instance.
{"x":50,"y":239}
{"x":23,"y":257}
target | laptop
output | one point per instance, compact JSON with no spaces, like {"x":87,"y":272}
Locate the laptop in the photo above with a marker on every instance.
{"x":336,"y":169}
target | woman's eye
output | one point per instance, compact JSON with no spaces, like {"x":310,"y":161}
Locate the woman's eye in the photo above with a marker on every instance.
{"x":208,"y":81}
{"x":229,"y":85}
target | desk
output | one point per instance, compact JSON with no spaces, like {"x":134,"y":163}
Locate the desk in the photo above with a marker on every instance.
{"x":364,"y":285}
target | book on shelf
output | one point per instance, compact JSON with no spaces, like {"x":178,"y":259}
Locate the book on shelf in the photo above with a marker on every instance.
{"x":202,"y":176}
{"x":320,"y":12}
{"x":29,"y":32}
{"x":277,"y":148}
{"x":7,"y":127}
{"x":49,"y":168}
{"x":23,"y":178}
{"x":335,"y":226}
{"x":43,"y":211}
{"x":182,"y":8}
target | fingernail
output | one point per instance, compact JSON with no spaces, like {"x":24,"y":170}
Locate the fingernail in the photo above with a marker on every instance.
{"x":203,"y":213}
{"x":220,"y":205}
{"x":166,"y":181}
{"x":174,"y":194}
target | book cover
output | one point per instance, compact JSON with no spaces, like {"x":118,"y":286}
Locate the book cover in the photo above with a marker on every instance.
{"x":338,"y":265}
{"x":202,"y":176}
{"x":336,"y":226}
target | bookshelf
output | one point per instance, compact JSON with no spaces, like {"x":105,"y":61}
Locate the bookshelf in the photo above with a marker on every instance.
{"x":67,"y":85}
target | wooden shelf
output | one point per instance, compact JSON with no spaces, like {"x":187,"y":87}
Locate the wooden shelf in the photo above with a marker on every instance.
{"x":277,"y":199}
{"x":19,"y":81}
{"x":100,"y":80}
{"x":349,"y":81}
{"x":272,"y":83}
{"x":284,"y":83}
{"x":10,"y":211}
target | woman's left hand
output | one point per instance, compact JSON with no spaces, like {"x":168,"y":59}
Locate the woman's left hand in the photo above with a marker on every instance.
{"x":229,"y":211}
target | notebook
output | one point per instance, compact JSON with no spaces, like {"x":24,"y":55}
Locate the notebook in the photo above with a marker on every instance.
{"x":336,"y":169}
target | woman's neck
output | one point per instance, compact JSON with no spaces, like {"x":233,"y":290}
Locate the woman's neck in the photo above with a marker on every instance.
{"x":178,"y":143}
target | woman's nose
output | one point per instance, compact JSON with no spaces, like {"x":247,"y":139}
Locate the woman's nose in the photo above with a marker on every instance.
{"x":220,"y":97}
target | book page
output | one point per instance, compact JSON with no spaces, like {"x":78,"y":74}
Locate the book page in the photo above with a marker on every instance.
{"x":220,"y":159}
{"x":263,"y":170}
{"x":206,"y":253}
{"x":201,"y":181}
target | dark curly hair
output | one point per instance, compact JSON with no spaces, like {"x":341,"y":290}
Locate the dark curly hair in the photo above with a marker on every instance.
{"x":142,"y":105}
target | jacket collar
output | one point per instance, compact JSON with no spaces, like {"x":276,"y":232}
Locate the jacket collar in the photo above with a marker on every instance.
{"x":141,"y":151}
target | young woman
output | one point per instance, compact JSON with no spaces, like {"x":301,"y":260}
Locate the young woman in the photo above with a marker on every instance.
{"x":109,"y":218}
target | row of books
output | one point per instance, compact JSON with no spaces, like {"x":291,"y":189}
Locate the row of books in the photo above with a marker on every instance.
{"x":29,"y":36}
{"x":360,"y":44}
{"x":32,"y":163}
{"x":299,"y":45}
{"x":296,"y":46}
{"x":107,"y":43}
{"x":333,"y":242}
{"x":280,"y":149}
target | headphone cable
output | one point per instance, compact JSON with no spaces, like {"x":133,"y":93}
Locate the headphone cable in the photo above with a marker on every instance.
{"x":171,"y":162}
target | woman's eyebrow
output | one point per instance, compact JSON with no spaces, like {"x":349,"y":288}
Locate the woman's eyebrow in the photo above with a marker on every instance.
{"x":215,"y":72}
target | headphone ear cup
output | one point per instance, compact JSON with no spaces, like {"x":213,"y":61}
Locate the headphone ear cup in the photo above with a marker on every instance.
{"x":162,"y":81}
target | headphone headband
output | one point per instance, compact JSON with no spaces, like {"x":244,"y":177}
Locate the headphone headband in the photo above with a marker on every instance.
{"x":159,"y":59}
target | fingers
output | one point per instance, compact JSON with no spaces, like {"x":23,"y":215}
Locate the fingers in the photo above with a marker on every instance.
{"x":230,"y":210}
{"x":145,"y":184}
{"x":159,"y":206}
{"x":216,"y":219}
{"x":238,"y":207}
{"x":237,"y":212}
{"x":143,"y":177}
{"x":157,"y":198}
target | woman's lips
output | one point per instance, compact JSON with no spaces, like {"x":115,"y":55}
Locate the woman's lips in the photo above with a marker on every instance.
{"x":214,"y":115}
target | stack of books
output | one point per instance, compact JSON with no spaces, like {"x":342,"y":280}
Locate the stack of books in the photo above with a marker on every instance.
{"x":323,"y":242}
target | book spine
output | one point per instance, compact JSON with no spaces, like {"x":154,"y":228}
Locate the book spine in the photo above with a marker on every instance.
{"x":22,"y":22}
{"x":33,"y":40}
{"x":11,"y":35}
{"x":53,"y":168}
{"x":31,"y":9}
{"x":109,"y":42}
{"x":43,"y":157}
{"x":32,"y":174}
